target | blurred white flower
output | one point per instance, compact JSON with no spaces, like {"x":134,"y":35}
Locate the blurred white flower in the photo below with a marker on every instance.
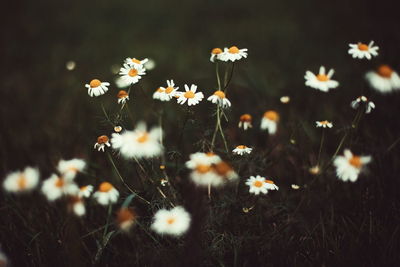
{"x":106,"y":194}
{"x":97,"y":88}
{"x":241,"y":150}
{"x":245,"y":121}
{"x":220,"y":99}
{"x":324,"y":124}
{"x":349,"y":166}
{"x":200,"y":158}
{"x":270,"y":121}
{"x":56,"y":187}
{"x":85,"y":191}
{"x":24,"y":181}
{"x":150,"y":64}
{"x":233,"y":54}
{"x":69,"y":168}
{"x":369,"y":105}
{"x":76,"y":205}
{"x":126,"y":218}
{"x":384,"y":79}
{"x":321,"y":81}
{"x":117,"y":129}
{"x":361,"y":50}
{"x":173,"y":222}
{"x":285,"y":99}
{"x":70,"y":65}
{"x":190,"y":95}
{"x":135,"y":62}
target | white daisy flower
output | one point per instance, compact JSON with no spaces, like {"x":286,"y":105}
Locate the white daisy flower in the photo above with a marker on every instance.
{"x":166,"y":94}
{"x":270,"y":121}
{"x":135,"y":62}
{"x":324,"y":124}
{"x":213,"y":175}
{"x":69,"y":168}
{"x":384,"y":79}
{"x":285,"y":99}
{"x":233,"y":54}
{"x":106,"y":194}
{"x":77,"y":206}
{"x":321,"y":81}
{"x":85,"y":191}
{"x":173,"y":222}
{"x":220,"y":99}
{"x":56,"y":187}
{"x":215,"y":54}
{"x":361,"y":50}
{"x":200,"y":158}
{"x":257,"y":185}
{"x":97,"y":88}
{"x":122,"y":96}
{"x":241,"y":150}
{"x":245,"y":121}
{"x":24,"y":181}
{"x":126,"y":218}
{"x":369,"y":105}
{"x":349,"y":166}
{"x":102,"y":142}
{"x":139,"y":143}
{"x":131,"y":74}
{"x":190,"y":95}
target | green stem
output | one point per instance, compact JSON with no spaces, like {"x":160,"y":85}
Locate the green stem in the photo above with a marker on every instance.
{"x":320,"y":146}
{"x":217,"y":73}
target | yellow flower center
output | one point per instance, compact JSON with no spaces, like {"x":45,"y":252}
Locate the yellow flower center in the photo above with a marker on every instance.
{"x":143,"y":138}
{"x":189,"y":94}
{"x":83,"y":188}
{"x":324,"y":122}
{"x":171,"y":220}
{"x":134,"y":60}
{"x":241,"y":147}
{"x":356,"y":161}
{"x":220,"y":94}
{"x":160,"y":90}
{"x":322,"y":78}
{"x":385,"y":71}
{"x":95,"y":83}
{"x":245,"y":117}
{"x":122,"y":94}
{"x":102,"y":139}
{"x":60,"y":182}
{"x":169,"y":89}
{"x":105,"y":187}
{"x":203,"y":168}
{"x":216,"y":51}
{"x":269,"y":181}
{"x":133,"y":72}
{"x":210,"y":154}
{"x":258,"y":183}
{"x":362,"y":47}
{"x":22,"y":182}
{"x":271,"y":115}
{"x":233,"y":50}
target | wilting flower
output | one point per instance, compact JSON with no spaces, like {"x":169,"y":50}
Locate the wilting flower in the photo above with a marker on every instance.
{"x":122,"y":96}
{"x":270,"y":121}
{"x":361,"y":50}
{"x":245,"y":121}
{"x":233,"y":54}
{"x":242,"y":149}
{"x":102,"y":141}
{"x":131,"y":74}
{"x":321,"y":81}
{"x":85,"y":191}
{"x":126,"y":218}
{"x":285,"y":99}
{"x":106,"y":194}
{"x":97,"y":88}
{"x":324,"y":124}
{"x":173,"y":222}
{"x":135,"y":62}
{"x":259,"y":185}
{"x":220,"y":99}
{"x":384,"y":79}
{"x":24,"y":181}
{"x":190,"y":95}
{"x":369,"y":105}
{"x":139,"y":143}
{"x":76,"y":205}
{"x":166,"y":94}
{"x":69,"y":168}
{"x":215,"y":54}
{"x":349,"y":166}
{"x":56,"y":187}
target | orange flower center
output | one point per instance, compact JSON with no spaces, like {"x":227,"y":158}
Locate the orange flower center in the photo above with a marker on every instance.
{"x":60,"y":182}
{"x":356,"y":161}
{"x":363,"y":47}
{"x":269,"y":181}
{"x":134,"y":60}
{"x":241,"y":147}
{"x":220,"y":94}
{"x":203,"y":168}
{"x":171,"y":220}
{"x":385,"y":71}
{"x":216,"y":51}
{"x":322,"y":78}
{"x":102,"y":139}
{"x":169,"y":89}
{"x":125,"y":215}
{"x":245,"y":117}
{"x":324,"y":122}
{"x":233,"y":50}
{"x":83,"y":188}
{"x":258,"y":183}
{"x":143,"y":138}
{"x":105,"y":187}
{"x":22,"y":182}
{"x":271,"y":115}
{"x":189,"y":94}
{"x":95,"y":83}
{"x":122,"y":94}
{"x":133,"y":72}
{"x":160,"y":90}
{"x":210,"y":154}
{"x":222,"y":168}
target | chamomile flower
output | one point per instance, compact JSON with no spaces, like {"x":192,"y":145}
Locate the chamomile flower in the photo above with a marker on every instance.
{"x":56,"y":187}
{"x":166,"y":94}
{"x":135,"y":62}
{"x":131,"y":74}
{"x":220,"y":99}
{"x":97,"y":88}
{"x":102,"y":142}
{"x":18,"y":182}
{"x":369,"y":105}
{"x":126,"y":218}
{"x":69,"y":168}
{"x":173,"y":222}
{"x":200,"y":158}
{"x":190,"y":95}
{"x":271,"y":185}
{"x":245,"y":121}
{"x":257,"y":185}
{"x":85,"y":191}
{"x":122,"y":96}
{"x":139,"y":143}
{"x":117,"y":129}
{"x":361,"y":50}
{"x":324,"y":124}
{"x":106,"y":194}
{"x":215,"y":54}
{"x":349,"y":166}
{"x":213,"y":174}
{"x":384,"y":79}
{"x":270,"y":121}
{"x":233,"y":54}
{"x":241,"y":150}
{"x":321,"y":81}
{"x":76,"y":206}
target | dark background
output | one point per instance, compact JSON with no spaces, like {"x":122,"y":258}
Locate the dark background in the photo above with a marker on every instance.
{"x":46,"y":115}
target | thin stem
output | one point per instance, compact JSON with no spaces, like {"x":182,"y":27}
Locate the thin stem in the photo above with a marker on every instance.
{"x":230,"y":78}
{"x":108,"y":219}
{"x":209,"y":191}
{"x":222,"y":134}
{"x":215,"y":130}
{"x":393,"y":144}
{"x":106,"y":115}
{"x":320,"y":146}
{"x":217,"y":73}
